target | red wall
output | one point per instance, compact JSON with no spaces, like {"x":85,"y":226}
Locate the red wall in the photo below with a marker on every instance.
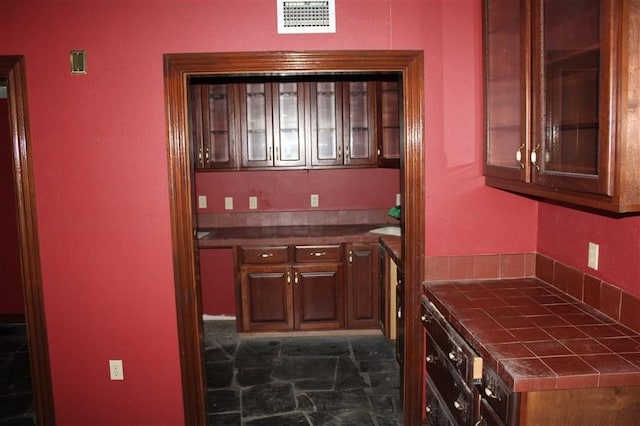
{"x":100,"y":165}
{"x":217,"y":282}
{"x":11,"y":301}
{"x":564,"y":234}
{"x":338,"y":189}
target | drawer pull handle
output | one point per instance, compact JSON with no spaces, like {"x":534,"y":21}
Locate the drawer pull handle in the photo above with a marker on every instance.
{"x":431,"y":359}
{"x":318,"y":253}
{"x":489,"y":392}
{"x":459,"y":405}
{"x":265,"y":255}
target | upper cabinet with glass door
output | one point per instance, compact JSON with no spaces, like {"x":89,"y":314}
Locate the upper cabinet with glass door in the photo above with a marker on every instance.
{"x":272,"y":125}
{"x":569,"y":130}
{"x":213,"y":126}
{"x":343,"y":123}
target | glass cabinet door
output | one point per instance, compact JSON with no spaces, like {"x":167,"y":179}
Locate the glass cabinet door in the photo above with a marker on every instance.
{"x":506,"y":89}
{"x":326,"y":123}
{"x":389,"y":137}
{"x":288,"y":126}
{"x":571,"y":149}
{"x":213,"y":124}
{"x":218,"y":146}
{"x":359,"y":130}
{"x":256,"y":125}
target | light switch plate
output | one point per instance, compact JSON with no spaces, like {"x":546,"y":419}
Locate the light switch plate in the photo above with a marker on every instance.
{"x":253,"y":203}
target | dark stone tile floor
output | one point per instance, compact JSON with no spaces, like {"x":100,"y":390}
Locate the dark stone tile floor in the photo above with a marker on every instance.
{"x":312,"y":381}
{"x":16,"y":398}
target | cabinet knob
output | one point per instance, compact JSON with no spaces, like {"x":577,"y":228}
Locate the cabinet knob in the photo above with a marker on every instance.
{"x":534,"y":157}
{"x":425,"y":319}
{"x":431,"y":359}
{"x":453,"y":356}
{"x":519,"y":156}
{"x":490,"y":393}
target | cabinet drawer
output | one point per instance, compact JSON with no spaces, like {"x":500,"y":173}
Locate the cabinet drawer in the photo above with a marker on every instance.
{"x":436,"y":412}
{"x":459,"y":354}
{"x":499,"y":396}
{"x":461,"y":402}
{"x":331,"y":253}
{"x":264,"y":255}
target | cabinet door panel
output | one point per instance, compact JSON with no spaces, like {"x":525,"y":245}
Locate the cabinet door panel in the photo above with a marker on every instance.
{"x":359,"y":126}
{"x":256,"y":125}
{"x":319,"y":298}
{"x":213,"y":121}
{"x":389,"y":117}
{"x":362,"y":286}
{"x":289,"y":124}
{"x":326,"y":123}
{"x":573,"y":92}
{"x":507,"y":90}
{"x":266,"y":298}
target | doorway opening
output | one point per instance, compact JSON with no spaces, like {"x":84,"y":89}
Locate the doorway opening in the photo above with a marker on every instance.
{"x":178,"y":69}
{"x":12,"y":73}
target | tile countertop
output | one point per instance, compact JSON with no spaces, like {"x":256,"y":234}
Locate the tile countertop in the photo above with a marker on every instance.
{"x":538,"y":338}
{"x":285,"y":235}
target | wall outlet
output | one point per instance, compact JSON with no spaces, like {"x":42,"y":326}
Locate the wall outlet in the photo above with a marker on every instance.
{"x":315,"y":200}
{"x":594,"y":254}
{"x":228,"y":203}
{"x":253,"y":203}
{"x":115,"y":369}
{"x":202,"y":201}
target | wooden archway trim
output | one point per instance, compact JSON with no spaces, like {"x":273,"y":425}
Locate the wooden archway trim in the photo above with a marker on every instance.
{"x":178,"y":67}
{"x":12,"y":70}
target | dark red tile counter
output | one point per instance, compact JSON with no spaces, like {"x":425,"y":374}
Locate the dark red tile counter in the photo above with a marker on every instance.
{"x":288,"y":235}
{"x":538,"y":338}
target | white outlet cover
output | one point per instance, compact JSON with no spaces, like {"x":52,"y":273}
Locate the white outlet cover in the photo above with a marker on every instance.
{"x":253,"y":203}
{"x":594,"y":254}
{"x":115,"y":369}
{"x":228,"y":203}
{"x":315,"y":200}
{"x":202,"y":201}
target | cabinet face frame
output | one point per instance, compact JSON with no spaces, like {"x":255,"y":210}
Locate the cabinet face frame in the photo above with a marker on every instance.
{"x":177,"y":69}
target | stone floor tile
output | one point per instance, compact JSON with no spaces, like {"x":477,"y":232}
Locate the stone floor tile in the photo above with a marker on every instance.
{"x":226,"y":419}
{"x":305,"y":367}
{"x":293,"y":419}
{"x":223,"y":400}
{"x":269,"y":399}
{"x":313,"y":346}
{"x":253,"y":376}
{"x":219,"y":374}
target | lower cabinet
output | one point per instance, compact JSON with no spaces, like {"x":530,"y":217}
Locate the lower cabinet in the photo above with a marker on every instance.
{"x":362,"y":286}
{"x":308,"y":287}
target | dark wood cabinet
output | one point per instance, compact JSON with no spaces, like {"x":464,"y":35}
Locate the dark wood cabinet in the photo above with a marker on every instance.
{"x":247,"y":124}
{"x":362,"y":286}
{"x":272,"y":125}
{"x":291,"y":288}
{"x":562,"y":100}
{"x":213,"y":125}
{"x":343,"y":123}
{"x":389,"y":130}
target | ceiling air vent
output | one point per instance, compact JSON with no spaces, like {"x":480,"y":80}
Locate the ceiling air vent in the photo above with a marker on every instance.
{"x":306,"y":17}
